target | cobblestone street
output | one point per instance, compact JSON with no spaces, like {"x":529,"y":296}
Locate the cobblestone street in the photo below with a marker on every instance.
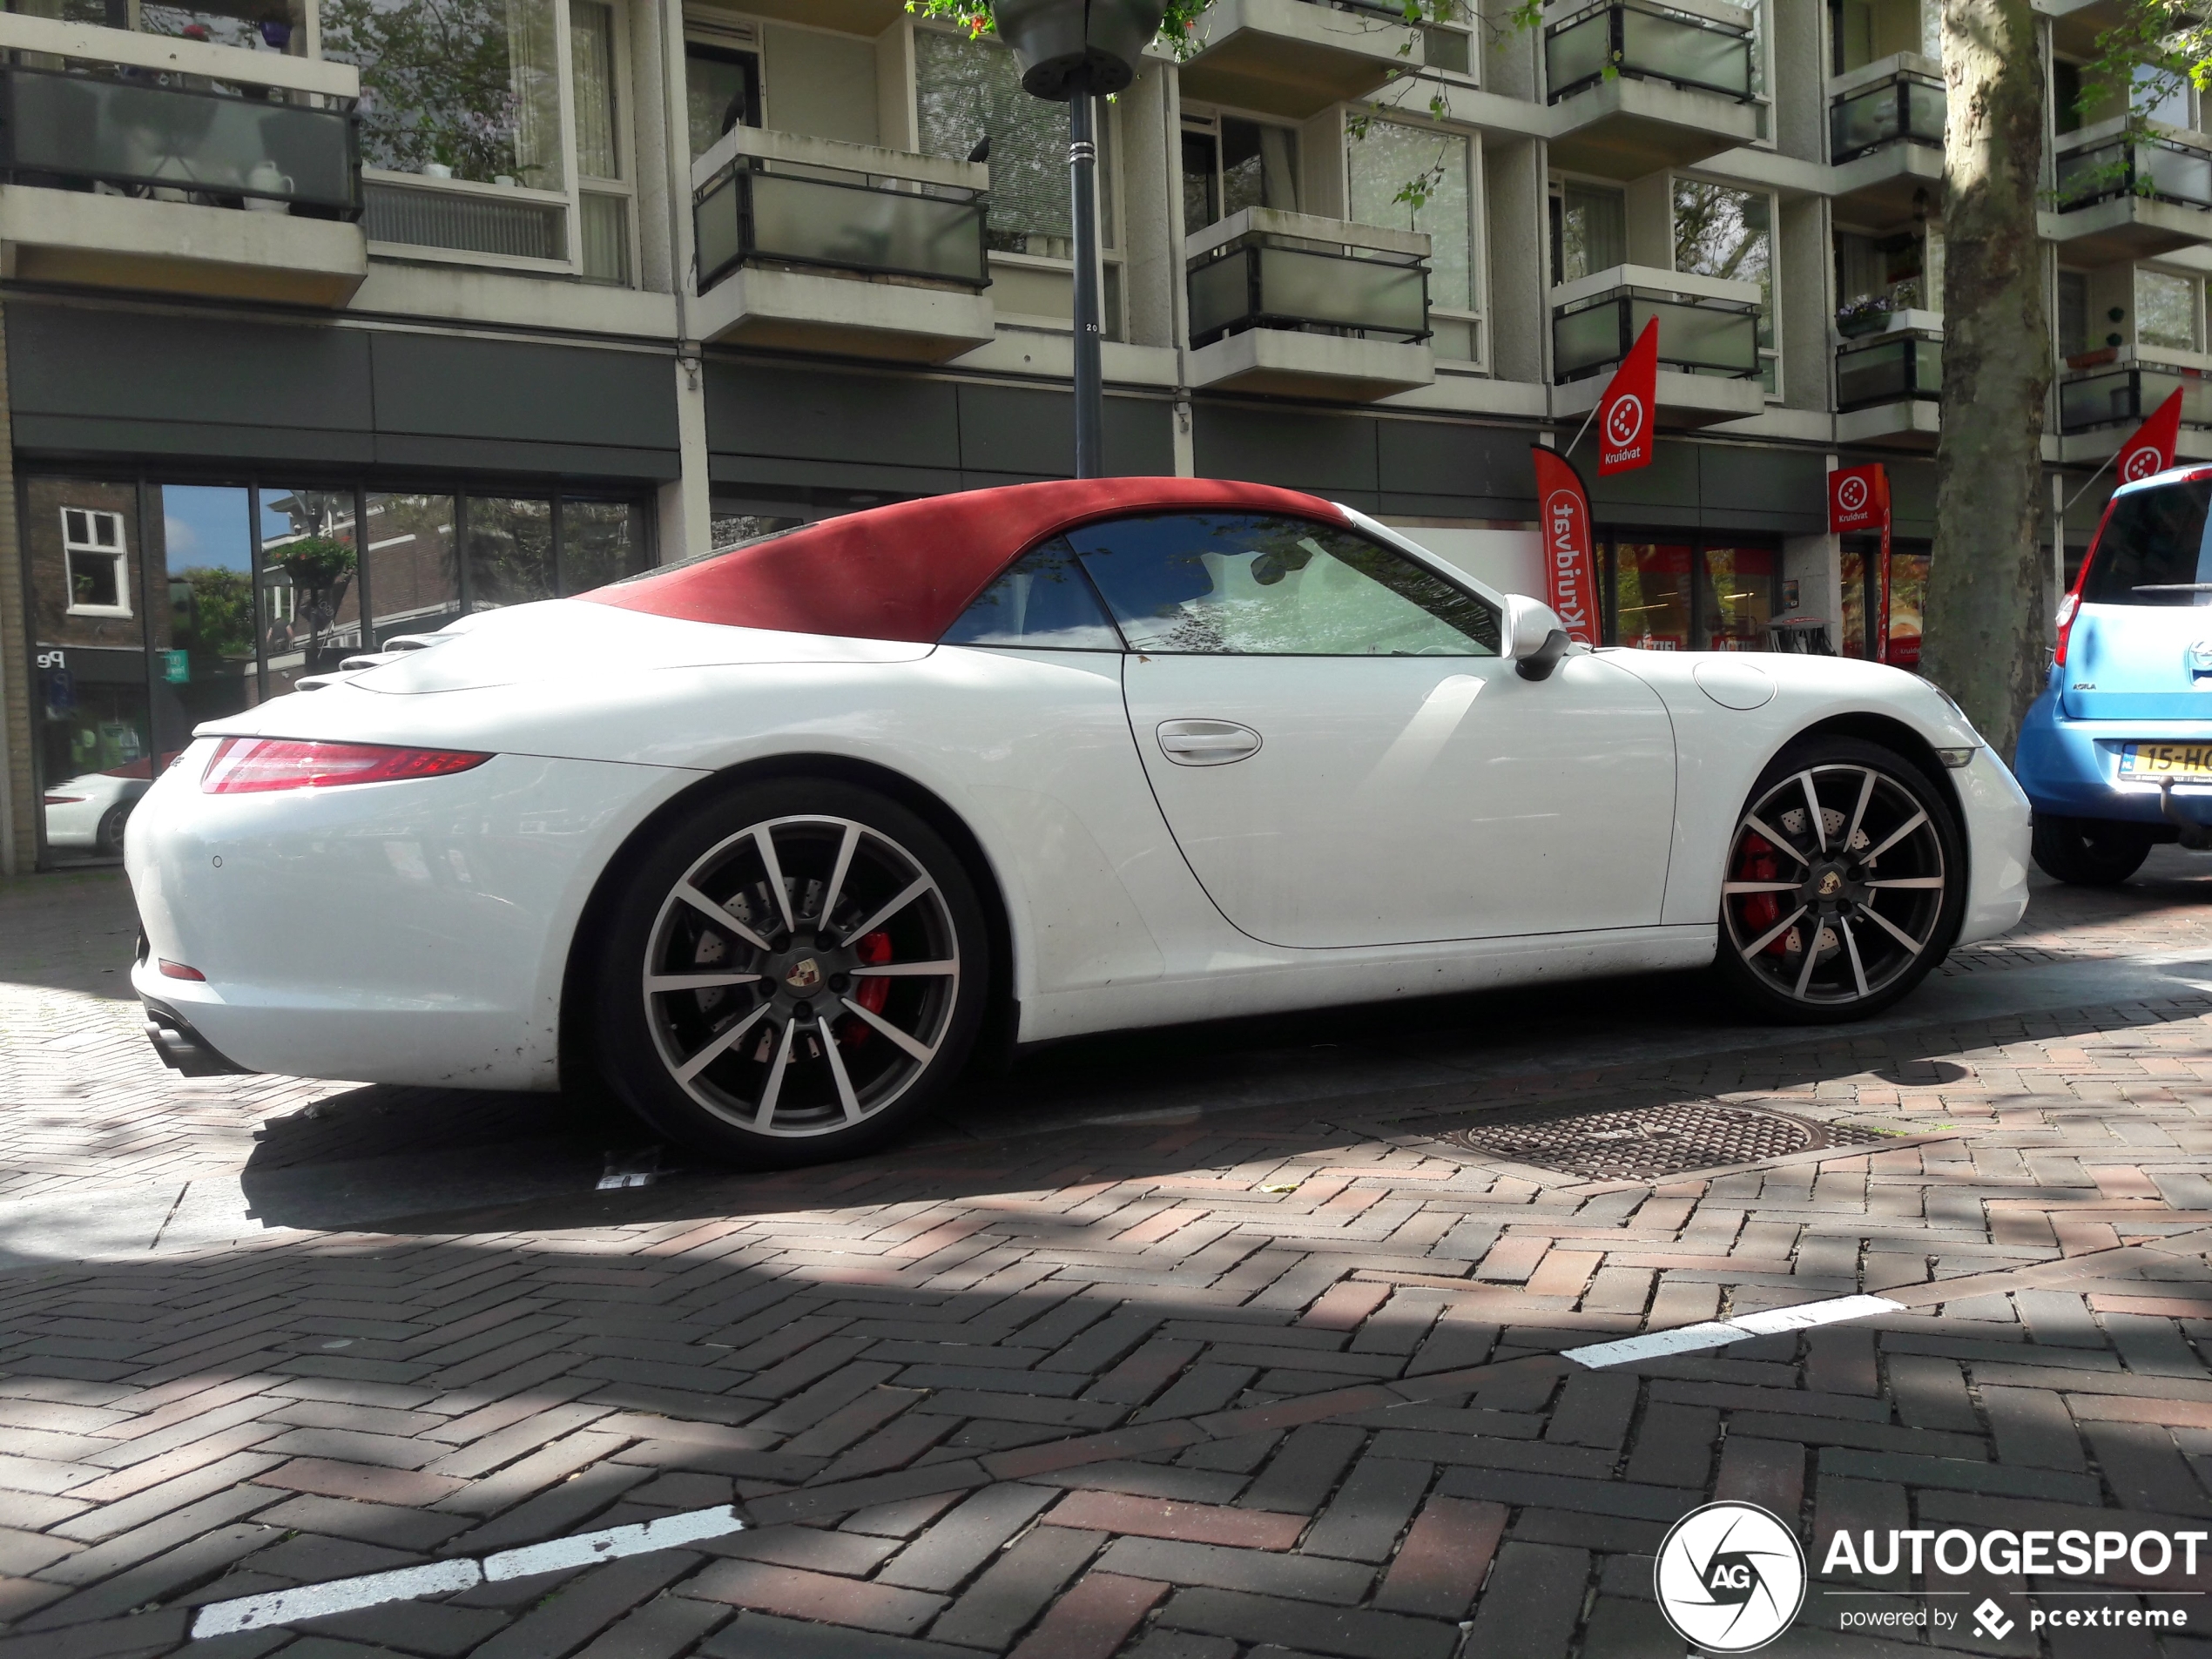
{"x":1240,"y":1341}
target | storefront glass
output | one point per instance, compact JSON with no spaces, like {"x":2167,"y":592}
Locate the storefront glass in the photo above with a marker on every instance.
{"x":1739,"y":597}
{"x":1856,"y":564}
{"x":1908,"y":595}
{"x":1651,"y":606}
{"x":1862,"y":585}
{"x":601,"y":542}
{"x":510,"y":552}
{"x":310,"y":582}
{"x":200,"y":569}
{"x":414,"y":577}
{"x":88,"y":650}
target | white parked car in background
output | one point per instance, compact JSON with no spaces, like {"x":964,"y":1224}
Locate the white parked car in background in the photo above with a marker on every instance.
{"x":772,"y":838}
{"x":87,"y":814}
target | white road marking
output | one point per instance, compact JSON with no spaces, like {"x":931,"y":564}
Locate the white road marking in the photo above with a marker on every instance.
{"x":443,"y":1578}
{"x":1719,"y":1333}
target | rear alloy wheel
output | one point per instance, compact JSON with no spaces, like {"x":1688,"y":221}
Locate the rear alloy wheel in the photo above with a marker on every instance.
{"x":797,"y":970}
{"x":2089,"y":852}
{"x":1846,"y":882}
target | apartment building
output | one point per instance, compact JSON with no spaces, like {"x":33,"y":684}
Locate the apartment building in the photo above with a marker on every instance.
{"x":328,"y":321}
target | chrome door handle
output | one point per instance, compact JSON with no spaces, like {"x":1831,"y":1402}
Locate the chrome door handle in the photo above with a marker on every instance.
{"x":1207,"y":742}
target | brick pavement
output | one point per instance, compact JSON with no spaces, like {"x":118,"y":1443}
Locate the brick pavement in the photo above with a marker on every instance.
{"x":1270,"y":1381}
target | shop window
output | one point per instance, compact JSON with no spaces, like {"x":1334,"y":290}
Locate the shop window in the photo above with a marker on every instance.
{"x":1739,"y":594}
{"x":1412,"y":178}
{"x":1908,"y":599}
{"x":414,"y":572}
{"x":601,"y":542}
{"x":99,"y":583}
{"x":510,"y":552}
{"x":1651,"y":607}
{"x":1729,"y":233}
{"x":311,"y":619}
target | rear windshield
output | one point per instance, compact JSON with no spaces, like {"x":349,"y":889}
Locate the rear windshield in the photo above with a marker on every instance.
{"x":2153,"y":551}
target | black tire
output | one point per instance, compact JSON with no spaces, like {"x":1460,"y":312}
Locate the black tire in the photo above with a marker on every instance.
{"x":1836,"y":921}
{"x":2090,"y":852}
{"x":796,"y":1024}
{"x":107,"y":839}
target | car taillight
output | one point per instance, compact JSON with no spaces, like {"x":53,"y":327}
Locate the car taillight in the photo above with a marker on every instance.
{"x":2068,"y":607}
{"x":253,"y":765}
{"x":64,"y":800}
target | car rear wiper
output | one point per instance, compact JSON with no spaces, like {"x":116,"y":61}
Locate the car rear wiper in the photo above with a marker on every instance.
{"x":2172,"y":587}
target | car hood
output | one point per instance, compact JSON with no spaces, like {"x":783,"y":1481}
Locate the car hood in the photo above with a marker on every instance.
{"x":560,"y":639}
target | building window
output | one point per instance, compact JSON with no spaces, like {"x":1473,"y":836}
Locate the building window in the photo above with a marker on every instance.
{"x":721,"y":91}
{"x":1589,"y":230}
{"x":2167,"y":311}
{"x":1412,"y":178}
{"x":1230,"y":163}
{"x":2074,"y":312}
{"x":92,"y":551}
{"x":1866,"y":30}
{"x":1729,"y":234}
{"x":968,"y":91}
{"x":492,"y":129}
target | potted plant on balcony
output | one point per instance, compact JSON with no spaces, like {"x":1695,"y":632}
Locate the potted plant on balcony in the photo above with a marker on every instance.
{"x":1869,"y":314}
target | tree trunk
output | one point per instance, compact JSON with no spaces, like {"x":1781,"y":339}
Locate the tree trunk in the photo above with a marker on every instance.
{"x":1988,"y":587}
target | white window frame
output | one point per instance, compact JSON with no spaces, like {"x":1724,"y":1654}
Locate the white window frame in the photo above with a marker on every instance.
{"x":91,"y":547}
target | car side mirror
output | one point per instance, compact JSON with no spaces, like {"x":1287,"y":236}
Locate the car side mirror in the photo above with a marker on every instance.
{"x":1535,"y":638}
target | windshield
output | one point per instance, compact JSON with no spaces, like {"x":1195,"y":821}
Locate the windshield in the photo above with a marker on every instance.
{"x":2153,"y":551}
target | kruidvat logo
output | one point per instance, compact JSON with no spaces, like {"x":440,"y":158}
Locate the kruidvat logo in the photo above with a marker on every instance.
{"x":1565,"y":533}
{"x":1624,"y":429}
{"x":2140,"y":463}
{"x":1729,"y":1577}
{"x":1851,"y":495}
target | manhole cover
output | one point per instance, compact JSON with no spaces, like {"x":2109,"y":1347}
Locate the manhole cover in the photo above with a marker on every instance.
{"x":1649,"y":1141}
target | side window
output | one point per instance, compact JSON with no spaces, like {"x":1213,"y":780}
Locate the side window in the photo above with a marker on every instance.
{"x":1254,"y":584}
{"x":1043,"y":602}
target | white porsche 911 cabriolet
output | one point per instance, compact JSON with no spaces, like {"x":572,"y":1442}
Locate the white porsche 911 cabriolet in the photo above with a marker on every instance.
{"x":769,"y":837}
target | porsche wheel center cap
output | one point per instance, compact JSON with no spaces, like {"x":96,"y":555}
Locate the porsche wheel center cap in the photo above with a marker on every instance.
{"x":804,"y":976}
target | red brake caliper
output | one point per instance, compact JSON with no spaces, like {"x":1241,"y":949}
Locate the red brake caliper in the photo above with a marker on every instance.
{"x":873,"y":950}
{"x":1758,"y":862}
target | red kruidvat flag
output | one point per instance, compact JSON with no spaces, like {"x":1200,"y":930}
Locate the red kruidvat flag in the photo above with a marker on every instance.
{"x":2151,"y":449}
{"x":1563,"y":520}
{"x":1629,"y":411}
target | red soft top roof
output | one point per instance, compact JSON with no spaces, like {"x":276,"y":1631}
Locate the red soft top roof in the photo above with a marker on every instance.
{"x":907,"y":571}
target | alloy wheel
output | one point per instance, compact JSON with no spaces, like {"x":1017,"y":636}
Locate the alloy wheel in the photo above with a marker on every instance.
{"x":1836,"y":884}
{"x":801,"y":975}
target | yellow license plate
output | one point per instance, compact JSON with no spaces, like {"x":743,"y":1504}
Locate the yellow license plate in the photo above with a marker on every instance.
{"x":2175,"y":761}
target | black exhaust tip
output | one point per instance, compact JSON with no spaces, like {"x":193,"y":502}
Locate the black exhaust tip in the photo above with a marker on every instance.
{"x":183,"y":1049}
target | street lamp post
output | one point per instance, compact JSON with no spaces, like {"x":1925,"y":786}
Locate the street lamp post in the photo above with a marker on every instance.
{"x":1075,"y":52}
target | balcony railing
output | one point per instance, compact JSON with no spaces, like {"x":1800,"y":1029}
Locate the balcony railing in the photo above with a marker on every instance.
{"x":1649,"y":41}
{"x":177,"y":120}
{"x":777,"y":198}
{"x":2124,"y":393}
{"x":1895,"y":368}
{"x":2162,"y":169}
{"x":1706,"y":326}
{"x":1260,"y":268}
{"x":1908,"y":107}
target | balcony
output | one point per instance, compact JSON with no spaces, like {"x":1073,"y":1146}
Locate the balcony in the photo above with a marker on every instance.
{"x":1636,"y":86}
{"x":1296,"y":57}
{"x":152,"y":163}
{"x":811,"y":244}
{"x":1295,"y":306}
{"x":2100,"y":403}
{"x":2121,"y":200}
{"x":1709,"y":341}
{"x":1885,"y":138}
{"x":1888,"y":382}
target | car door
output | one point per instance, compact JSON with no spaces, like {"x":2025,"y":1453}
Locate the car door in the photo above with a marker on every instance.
{"x":1345,"y":758}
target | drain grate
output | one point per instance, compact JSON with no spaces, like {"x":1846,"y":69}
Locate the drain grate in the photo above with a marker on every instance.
{"x":1649,"y":1143}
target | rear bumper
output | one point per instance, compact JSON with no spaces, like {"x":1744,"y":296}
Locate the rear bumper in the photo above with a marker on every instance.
{"x":181,"y":1047}
{"x":2070,"y":768}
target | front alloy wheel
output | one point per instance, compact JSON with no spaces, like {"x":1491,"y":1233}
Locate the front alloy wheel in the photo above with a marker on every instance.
{"x":1843,"y":884}
{"x":802,"y":972}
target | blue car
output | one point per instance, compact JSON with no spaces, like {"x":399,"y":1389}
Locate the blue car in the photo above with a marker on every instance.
{"x":2117,"y":754}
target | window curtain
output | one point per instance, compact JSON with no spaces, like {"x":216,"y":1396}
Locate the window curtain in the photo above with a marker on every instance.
{"x":592,"y":63}
{"x":535,"y":60}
